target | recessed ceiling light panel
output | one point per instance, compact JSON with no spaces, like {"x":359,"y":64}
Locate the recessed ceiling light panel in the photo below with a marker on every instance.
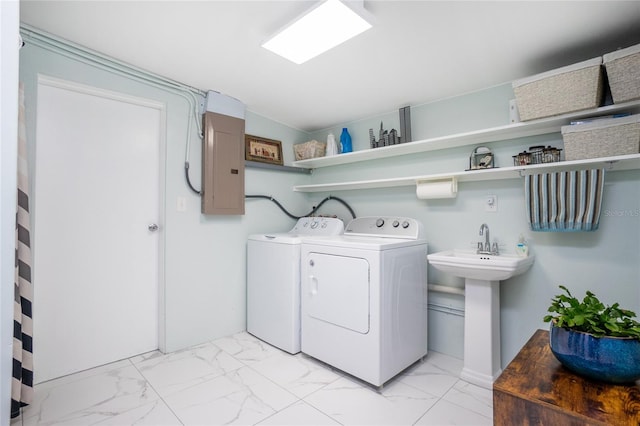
{"x":325,"y":26}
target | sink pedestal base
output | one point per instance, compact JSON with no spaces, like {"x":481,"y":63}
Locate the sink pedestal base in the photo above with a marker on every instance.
{"x":481,"y":332}
{"x":482,"y":274}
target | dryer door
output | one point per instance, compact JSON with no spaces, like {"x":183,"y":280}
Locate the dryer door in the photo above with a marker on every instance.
{"x":338,"y":290}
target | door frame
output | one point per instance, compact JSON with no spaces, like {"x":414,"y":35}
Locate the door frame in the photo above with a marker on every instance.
{"x":162,"y":145}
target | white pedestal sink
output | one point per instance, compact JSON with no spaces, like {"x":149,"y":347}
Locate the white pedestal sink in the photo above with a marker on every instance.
{"x":482,"y":274}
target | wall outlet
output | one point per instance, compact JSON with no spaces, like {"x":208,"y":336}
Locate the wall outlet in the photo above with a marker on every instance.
{"x":491,"y":203}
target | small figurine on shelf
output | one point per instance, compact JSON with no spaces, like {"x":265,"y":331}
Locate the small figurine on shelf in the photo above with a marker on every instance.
{"x":386,"y":137}
{"x":481,"y":158}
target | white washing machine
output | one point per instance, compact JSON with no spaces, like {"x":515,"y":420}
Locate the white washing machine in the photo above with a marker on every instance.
{"x":273,"y":281}
{"x":364,"y":296}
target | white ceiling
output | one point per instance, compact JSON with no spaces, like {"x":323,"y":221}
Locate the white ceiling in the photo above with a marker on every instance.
{"x":417,"y":52}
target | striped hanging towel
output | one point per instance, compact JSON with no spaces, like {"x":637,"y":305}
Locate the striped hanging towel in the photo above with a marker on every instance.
{"x":564,"y":201}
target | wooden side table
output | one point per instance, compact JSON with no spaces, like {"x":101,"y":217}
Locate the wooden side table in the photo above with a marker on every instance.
{"x":535,"y":389}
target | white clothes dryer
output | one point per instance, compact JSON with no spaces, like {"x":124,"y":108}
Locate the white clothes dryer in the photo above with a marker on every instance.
{"x":273,"y":281}
{"x":364,"y":297}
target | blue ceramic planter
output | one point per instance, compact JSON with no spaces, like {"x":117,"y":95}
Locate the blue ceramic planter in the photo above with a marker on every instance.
{"x":609,"y":359}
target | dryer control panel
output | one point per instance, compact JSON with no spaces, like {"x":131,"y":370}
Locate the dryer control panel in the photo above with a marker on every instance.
{"x":386,"y":226}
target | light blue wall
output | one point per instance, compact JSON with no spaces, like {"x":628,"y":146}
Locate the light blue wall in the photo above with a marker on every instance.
{"x":606,"y":262}
{"x":205,"y":256}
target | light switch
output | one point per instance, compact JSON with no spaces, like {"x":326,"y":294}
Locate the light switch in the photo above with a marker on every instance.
{"x":181,"y":204}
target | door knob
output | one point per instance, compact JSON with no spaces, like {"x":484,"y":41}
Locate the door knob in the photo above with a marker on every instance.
{"x":152,"y":227}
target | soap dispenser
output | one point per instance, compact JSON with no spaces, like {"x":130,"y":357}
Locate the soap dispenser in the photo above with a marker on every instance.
{"x":522,"y":249}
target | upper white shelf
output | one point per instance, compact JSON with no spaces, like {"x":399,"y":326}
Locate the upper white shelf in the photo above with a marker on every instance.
{"x":621,"y":162}
{"x":494,"y":134}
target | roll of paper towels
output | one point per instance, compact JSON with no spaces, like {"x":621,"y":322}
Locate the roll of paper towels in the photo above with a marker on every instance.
{"x":427,"y":190}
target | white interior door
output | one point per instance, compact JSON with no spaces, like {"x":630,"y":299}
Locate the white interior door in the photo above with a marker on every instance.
{"x":97,"y":192}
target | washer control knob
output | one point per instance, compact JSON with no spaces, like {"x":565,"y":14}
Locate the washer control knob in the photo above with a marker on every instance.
{"x":396,"y":223}
{"x":314,"y":224}
{"x":405,"y":224}
{"x":379,"y":223}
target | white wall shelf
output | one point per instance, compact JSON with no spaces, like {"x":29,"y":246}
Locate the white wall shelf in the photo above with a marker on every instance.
{"x":289,"y":169}
{"x":494,"y":134}
{"x":621,"y":162}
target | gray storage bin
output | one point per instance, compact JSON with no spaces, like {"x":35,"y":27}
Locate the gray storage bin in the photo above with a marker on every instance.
{"x":572,"y":88}
{"x":623,"y":71}
{"x":602,"y":138}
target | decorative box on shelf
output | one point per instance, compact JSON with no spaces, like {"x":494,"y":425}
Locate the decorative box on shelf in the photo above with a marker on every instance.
{"x":310,"y":149}
{"x":623,"y":73}
{"x":572,"y":88}
{"x":605,"y":137}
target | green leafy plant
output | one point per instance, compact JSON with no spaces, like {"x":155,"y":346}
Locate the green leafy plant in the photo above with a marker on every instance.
{"x":592,"y":316}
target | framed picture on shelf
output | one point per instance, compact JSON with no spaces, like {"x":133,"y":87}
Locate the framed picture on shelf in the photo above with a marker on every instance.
{"x":263,"y":150}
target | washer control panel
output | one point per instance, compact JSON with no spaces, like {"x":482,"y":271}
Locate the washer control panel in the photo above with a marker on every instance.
{"x":381,"y":226}
{"x":318,"y":226}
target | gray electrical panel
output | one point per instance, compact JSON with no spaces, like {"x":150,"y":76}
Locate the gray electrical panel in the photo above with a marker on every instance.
{"x":222,"y":164}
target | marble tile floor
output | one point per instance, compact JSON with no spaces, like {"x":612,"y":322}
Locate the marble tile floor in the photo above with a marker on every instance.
{"x":242,"y":380}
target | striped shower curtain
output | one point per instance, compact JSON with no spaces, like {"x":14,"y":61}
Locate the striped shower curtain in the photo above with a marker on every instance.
{"x":22,"y":380}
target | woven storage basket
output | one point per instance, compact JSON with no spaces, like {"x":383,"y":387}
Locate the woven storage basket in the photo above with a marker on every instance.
{"x":310,"y":149}
{"x":572,"y":88}
{"x":602,"y":138}
{"x":623,"y":71}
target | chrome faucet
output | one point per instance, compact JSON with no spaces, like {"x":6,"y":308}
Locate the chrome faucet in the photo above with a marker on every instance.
{"x":484,"y":229}
{"x":487,"y":248}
